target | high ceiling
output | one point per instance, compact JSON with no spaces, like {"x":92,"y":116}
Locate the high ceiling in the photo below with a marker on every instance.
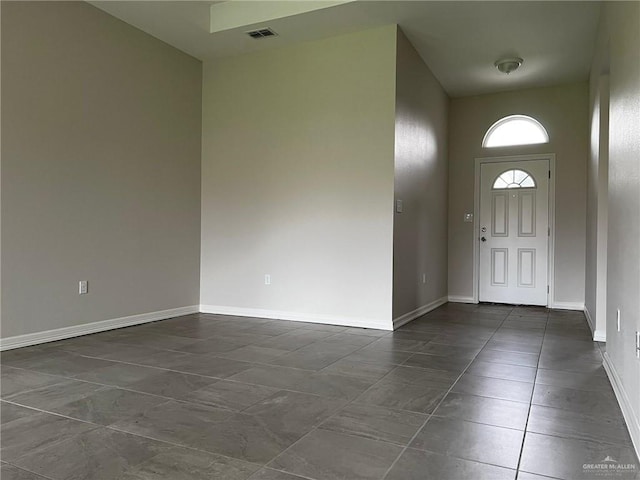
{"x":460,"y":41}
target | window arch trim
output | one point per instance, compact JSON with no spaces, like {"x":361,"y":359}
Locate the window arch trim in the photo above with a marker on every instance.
{"x":537,"y":131}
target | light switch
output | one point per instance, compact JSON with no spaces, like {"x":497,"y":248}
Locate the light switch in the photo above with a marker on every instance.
{"x":468,"y":217}
{"x":399,"y":206}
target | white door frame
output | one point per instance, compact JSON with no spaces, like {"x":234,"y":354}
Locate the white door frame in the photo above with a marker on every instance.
{"x":551,"y":157}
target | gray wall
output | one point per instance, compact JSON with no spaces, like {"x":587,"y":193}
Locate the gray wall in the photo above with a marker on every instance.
{"x":563,"y":110}
{"x":597,"y":207}
{"x":618,"y":42}
{"x":100,"y":169}
{"x":420,"y":231}
{"x":297,"y":181}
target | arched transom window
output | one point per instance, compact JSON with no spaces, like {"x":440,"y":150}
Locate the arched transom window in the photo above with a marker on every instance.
{"x":515,"y":130}
{"x":514,"y":179}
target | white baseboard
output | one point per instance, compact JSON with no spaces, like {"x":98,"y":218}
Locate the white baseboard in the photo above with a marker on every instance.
{"x":94,"y":327}
{"x":598,"y":335}
{"x":461,"y":299}
{"x":633,"y":422}
{"x":418,"y":312}
{"x":344,"y":321}
{"x":567,"y":306}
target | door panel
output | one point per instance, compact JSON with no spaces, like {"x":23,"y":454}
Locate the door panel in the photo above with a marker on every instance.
{"x":514,"y":225}
{"x":500,"y":214}
{"x":527,"y":213}
{"x":500,"y":266}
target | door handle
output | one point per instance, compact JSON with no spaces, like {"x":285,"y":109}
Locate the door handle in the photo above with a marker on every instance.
{"x":483,"y":239}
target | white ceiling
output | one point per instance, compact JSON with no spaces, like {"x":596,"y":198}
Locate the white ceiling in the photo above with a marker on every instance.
{"x":459,"y":41}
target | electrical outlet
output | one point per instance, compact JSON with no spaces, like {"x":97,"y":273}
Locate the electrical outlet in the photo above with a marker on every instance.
{"x":83,"y":287}
{"x":267,"y":279}
{"x":399,"y":206}
{"x":618,"y":319}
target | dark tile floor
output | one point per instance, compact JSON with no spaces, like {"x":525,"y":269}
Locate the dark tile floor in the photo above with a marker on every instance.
{"x":465,"y":392}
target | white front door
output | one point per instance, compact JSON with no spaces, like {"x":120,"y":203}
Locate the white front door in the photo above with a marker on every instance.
{"x":514,"y":236}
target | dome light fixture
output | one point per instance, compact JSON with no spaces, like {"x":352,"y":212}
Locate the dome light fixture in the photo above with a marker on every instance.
{"x":508,"y":65}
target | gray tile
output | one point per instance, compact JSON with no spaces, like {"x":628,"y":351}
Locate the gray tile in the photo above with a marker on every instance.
{"x":295,"y":339}
{"x":420,"y":465}
{"x":516,"y":335}
{"x":437,"y":362}
{"x":350,"y":339}
{"x":51,"y":396}
{"x":186,"y":464}
{"x":494,"y":387}
{"x":9,"y":472}
{"x":530,"y":310}
{"x":505,"y":346}
{"x":230,"y":395}
{"x":330,"y":385}
{"x":99,"y":454}
{"x":254,"y":353}
{"x":273,"y":376}
{"x":118,"y":374}
{"x":565,"y":458}
{"x":160,"y":359}
{"x":17,"y":380}
{"x":329,"y":455}
{"x":25,"y":355}
{"x":420,"y":336}
{"x":270,"y":474}
{"x":107,"y":406}
{"x":305,"y":381}
{"x":499,"y":370}
{"x":414,"y":397}
{"x":379,"y":357}
{"x":292,"y":414}
{"x":152,"y":340}
{"x":460,"y":340}
{"x":526,"y":323}
{"x":211,"y":346}
{"x":492,"y":411}
{"x":571,"y":424}
{"x":392,"y":343}
{"x":532,"y":476}
{"x":321,"y":327}
{"x":509,"y":358}
{"x":171,"y":384}
{"x":60,"y":363}
{"x":243,"y":338}
{"x":433,"y":348}
{"x":315,"y":356}
{"x":34,"y":433}
{"x":215,"y":430}
{"x":592,"y":381}
{"x":568,"y":364}
{"x":10,"y":412}
{"x":108,"y":350}
{"x":209,"y":366}
{"x":358,"y":369}
{"x":600,"y":403}
{"x":366,"y":331}
{"x":377,"y":423}
{"x":471,"y":441}
{"x":423,"y":376}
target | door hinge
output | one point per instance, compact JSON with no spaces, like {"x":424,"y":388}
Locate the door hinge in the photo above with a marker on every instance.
{"x":547,"y":288}
{"x":548,"y":231}
{"x":549,"y":173}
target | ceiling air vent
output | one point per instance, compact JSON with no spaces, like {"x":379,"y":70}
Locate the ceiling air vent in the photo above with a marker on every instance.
{"x":262,"y":33}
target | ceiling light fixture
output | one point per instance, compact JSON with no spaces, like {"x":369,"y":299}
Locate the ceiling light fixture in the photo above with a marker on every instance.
{"x":508,"y":65}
